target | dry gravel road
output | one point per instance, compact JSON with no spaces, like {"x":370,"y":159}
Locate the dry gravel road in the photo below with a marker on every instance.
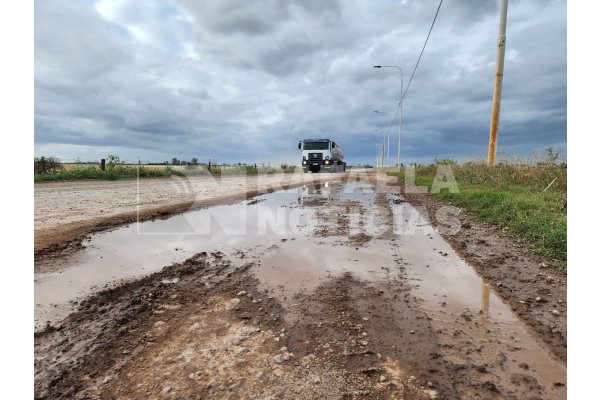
{"x":337,"y":289}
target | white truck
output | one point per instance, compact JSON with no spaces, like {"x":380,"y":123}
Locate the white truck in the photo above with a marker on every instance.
{"x":321,"y":155}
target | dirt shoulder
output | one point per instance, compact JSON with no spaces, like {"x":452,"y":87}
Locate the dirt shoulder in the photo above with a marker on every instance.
{"x":65,"y":212}
{"x":537,"y":294}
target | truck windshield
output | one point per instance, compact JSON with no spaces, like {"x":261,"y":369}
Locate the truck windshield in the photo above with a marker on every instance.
{"x":316,"y":145}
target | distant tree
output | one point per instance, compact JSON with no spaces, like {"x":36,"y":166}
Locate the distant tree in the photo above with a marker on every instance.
{"x":113,"y":161}
{"x":194,"y":161}
{"x":175,"y":161}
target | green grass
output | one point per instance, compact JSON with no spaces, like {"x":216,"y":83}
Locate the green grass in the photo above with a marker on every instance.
{"x":94,"y":172}
{"x":114,"y":172}
{"x":515,"y":201}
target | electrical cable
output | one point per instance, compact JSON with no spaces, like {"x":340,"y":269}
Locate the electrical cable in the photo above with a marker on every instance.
{"x":416,"y":66}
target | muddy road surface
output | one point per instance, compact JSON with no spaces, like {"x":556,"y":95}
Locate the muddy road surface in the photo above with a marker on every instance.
{"x":66,"y":211}
{"x":338,"y":289}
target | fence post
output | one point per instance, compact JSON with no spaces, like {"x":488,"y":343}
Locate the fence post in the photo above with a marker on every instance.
{"x":209,"y":166}
{"x":43,"y":164}
{"x":103,"y":164}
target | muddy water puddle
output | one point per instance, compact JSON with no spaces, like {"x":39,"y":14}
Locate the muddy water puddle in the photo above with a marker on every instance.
{"x":464,"y":306}
{"x":277,"y":232}
{"x":139,"y":249}
{"x":475,"y":325}
{"x":302,"y":265}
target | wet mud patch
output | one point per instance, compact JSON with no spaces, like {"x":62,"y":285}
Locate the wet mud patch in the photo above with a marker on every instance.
{"x":360,"y":239}
{"x":334,"y":219}
{"x":81,"y":356}
{"x":379,"y":334}
{"x":201,"y":328}
{"x":376,"y":334}
{"x":535,"y":293}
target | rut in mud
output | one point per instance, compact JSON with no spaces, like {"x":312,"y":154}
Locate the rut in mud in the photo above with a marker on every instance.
{"x":339,"y":304}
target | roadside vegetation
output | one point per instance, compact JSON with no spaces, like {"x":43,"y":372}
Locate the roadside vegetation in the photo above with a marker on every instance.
{"x":50,"y":169}
{"x":527,"y":199}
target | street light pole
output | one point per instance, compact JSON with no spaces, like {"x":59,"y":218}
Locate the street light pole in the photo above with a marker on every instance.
{"x":388,"y":147}
{"x":386,"y":139}
{"x":401,"y":103}
{"x":376,"y":149}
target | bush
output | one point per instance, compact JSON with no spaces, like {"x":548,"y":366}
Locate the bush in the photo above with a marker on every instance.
{"x":45,"y":164}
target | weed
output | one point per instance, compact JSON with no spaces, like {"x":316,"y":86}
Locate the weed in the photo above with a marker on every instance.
{"x":526,"y":199}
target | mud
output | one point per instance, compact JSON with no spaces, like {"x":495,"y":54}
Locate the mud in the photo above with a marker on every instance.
{"x":512,"y":269}
{"x":187,"y":339}
{"x":360,"y":297}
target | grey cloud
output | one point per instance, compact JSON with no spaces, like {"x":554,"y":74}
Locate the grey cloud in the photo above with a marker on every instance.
{"x":287,"y":58}
{"x":465,"y":11}
{"x":244,"y":81}
{"x":64,"y":50}
{"x":235,"y":16}
{"x":196,"y":93}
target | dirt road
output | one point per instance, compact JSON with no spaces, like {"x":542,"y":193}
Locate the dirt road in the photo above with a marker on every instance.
{"x":66,"y":211}
{"x":340,"y":289}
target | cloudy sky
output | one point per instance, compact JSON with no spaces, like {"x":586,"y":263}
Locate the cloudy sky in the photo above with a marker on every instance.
{"x":237,"y":80}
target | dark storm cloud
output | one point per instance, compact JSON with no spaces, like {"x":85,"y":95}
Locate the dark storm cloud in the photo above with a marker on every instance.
{"x":244,"y":81}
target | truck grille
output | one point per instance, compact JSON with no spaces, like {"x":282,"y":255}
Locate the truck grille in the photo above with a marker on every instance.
{"x":315,"y":156}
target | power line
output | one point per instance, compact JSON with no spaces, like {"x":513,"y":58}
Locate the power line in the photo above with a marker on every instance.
{"x":416,"y":66}
{"x":422,"y":50}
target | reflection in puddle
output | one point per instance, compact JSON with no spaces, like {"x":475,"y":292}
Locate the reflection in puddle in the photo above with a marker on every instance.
{"x":485,"y":301}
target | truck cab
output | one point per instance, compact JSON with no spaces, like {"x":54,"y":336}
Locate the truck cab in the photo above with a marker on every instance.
{"x":321,"y":155}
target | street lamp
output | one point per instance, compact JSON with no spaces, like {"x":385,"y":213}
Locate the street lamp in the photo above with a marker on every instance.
{"x":376,"y":149}
{"x":386,"y":137}
{"x":401,"y":101}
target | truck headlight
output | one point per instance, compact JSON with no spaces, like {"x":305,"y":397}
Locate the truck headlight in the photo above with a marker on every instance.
{"x":326,"y":161}
{"x":304,"y":162}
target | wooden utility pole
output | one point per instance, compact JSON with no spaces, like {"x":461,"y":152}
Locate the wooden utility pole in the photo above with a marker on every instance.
{"x":498,"y":85}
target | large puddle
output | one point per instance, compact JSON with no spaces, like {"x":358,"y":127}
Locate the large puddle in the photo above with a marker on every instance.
{"x":277,"y":231}
{"x":142,"y":248}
